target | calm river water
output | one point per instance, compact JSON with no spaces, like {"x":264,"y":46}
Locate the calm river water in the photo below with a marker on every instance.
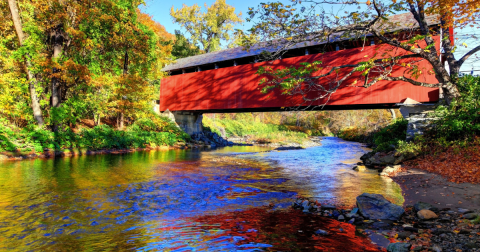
{"x":230,"y":199}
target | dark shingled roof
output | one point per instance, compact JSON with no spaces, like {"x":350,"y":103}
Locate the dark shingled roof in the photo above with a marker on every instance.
{"x":400,"y":21}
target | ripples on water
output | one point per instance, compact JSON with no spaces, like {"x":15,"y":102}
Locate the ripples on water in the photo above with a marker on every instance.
{"x":179,"y":200}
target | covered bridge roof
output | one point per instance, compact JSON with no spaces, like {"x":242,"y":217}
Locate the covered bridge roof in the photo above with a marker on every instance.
{"x":401,"y":21}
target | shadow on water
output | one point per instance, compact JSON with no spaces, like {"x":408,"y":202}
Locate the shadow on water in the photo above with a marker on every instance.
{"x":177,"y":200}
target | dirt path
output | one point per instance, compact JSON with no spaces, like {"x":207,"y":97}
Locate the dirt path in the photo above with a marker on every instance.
{"x":418,"y":185}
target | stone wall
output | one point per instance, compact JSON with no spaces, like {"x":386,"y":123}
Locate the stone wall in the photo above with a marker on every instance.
{"x":190,"y":122}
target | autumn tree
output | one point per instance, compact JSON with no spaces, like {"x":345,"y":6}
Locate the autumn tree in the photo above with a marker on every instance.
{"x":95,"y":59}
{"x":283,"y":26}
{"x":210,"y":27}
{"x":17,"y":22}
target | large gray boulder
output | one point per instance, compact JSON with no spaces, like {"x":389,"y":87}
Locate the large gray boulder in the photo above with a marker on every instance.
{"x":383,"y":159}
{"x":375,"y":206}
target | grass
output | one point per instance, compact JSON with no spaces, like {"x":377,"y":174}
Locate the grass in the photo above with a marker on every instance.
{"x":246,"y":125}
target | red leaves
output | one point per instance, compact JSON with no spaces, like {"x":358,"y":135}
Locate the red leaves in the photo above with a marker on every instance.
{"x":457,"y":164}
{"x":287,"y":230}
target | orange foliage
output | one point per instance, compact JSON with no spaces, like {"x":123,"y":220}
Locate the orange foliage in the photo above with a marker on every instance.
{"x":459,"y":165}
{"x":456,"y":13}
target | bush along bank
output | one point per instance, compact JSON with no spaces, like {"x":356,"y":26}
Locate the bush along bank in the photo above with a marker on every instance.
{"x":386,"y":143}
{"x":31,"y":142}
{"x":419,"y":227}
{"x":450,"y":147}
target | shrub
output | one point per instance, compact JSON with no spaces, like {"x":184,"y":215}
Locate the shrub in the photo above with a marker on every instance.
{"x":351,"y":133}
{"x":145,"y":132}
{"x":461,"y":120}
{"x":388,"y":138}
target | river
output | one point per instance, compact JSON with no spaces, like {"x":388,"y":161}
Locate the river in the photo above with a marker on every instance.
{"x":230,"y":199}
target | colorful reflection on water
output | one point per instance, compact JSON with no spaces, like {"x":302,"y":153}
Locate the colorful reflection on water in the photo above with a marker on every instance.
{"x":179,"y":200}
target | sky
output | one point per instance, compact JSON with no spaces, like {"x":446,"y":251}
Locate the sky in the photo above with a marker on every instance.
{"x":160,"y":11}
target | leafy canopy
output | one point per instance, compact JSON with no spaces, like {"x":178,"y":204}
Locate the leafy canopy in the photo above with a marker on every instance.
{"x":208,"y":28}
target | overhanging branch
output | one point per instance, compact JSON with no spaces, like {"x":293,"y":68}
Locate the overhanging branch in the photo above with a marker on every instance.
{"x":412,"y":81}
{"x":467,"y":55}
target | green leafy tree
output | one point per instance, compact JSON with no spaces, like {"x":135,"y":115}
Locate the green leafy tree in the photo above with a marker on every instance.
{"x":89,"y":59}
{"x":182,"y":48}
{"x":208,"y":28}
{"x":17,"y":22}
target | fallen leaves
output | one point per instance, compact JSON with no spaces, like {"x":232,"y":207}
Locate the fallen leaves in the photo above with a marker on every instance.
{"x":459,"y":165}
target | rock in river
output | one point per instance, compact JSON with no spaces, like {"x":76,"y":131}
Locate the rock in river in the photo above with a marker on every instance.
{"x":375,"y":206}
{"x":422,"y":205}
{"x":470,"y":216}
{"x":399,"y":247}
{"x":426,"y":214}
{"x":321,"y":232}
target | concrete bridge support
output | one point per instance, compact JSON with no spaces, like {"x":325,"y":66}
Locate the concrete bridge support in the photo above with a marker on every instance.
{"x":190,"y":122}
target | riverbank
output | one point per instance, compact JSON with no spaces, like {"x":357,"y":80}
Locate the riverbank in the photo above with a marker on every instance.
{"x":75,"y":152}
{"x":417,"y":227}
{"x":420,"y":185}
{"x":452,"y":222}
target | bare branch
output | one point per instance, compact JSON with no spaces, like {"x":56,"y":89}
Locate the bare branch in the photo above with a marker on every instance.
{"x":411,"y":81}
{"x":467,"y":55}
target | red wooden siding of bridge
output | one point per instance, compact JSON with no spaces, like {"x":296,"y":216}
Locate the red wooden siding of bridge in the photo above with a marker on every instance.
{"x":236,"y":88}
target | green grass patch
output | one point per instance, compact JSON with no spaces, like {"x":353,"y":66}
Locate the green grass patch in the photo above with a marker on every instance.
{"x":246,"y":125}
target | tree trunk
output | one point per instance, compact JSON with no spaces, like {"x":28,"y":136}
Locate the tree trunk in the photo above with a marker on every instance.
{"x":57,"y":40}
{"x":121,"y":119}
{"x":17,"y":22}
{"x":394,"y":116}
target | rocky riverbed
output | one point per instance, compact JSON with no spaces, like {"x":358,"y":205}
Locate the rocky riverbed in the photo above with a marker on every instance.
{"x":418,"y":227}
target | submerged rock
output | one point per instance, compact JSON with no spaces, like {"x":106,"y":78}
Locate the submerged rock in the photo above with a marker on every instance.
{"x":375,"y":206}
{"x":321,"y":232}
{"x":328,"y":207}
{"x":289,"y":148}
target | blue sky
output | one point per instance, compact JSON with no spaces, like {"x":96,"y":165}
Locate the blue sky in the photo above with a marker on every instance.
{"x":160,"y":10}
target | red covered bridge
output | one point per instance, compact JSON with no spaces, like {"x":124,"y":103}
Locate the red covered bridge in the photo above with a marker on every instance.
{"x":226,"y":81}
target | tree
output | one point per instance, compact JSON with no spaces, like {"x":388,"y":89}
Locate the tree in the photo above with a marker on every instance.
{"x":17,"y":22}
{"x":210,"y":27}
{"x":284,"y":26}
{"x":182,"y":48}
{"x":95,"y":59}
